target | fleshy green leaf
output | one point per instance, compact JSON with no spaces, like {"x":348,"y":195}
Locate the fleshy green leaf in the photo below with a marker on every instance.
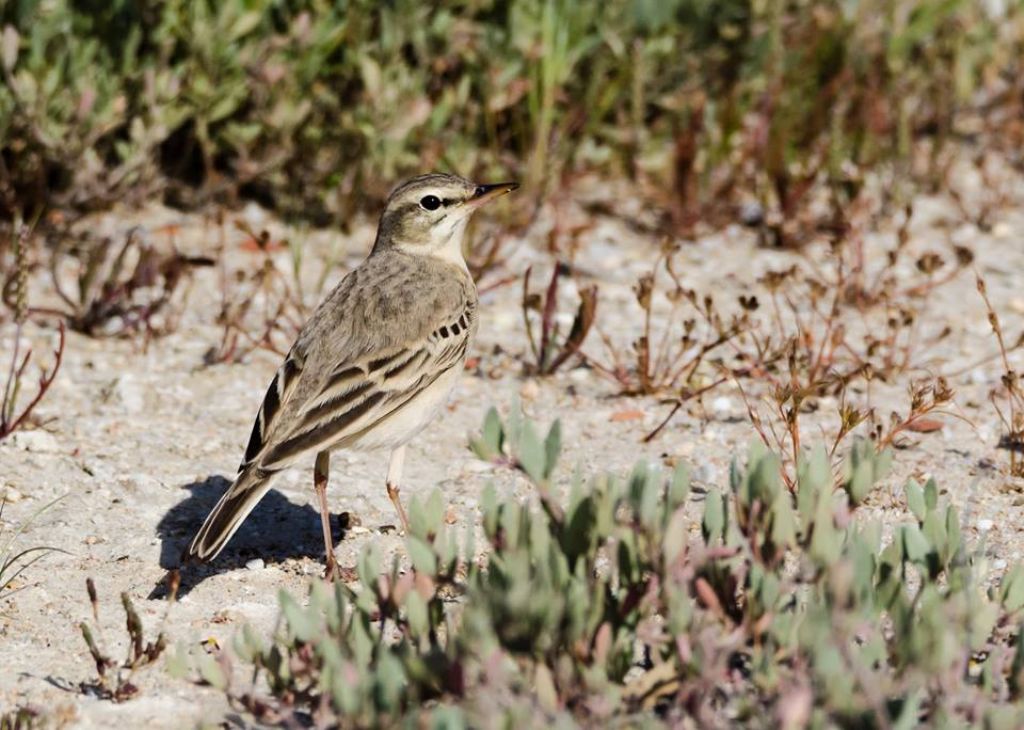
{"x":915,"y":545}
{"x":211,"y":672}
{"x":931,"y":494}
{"x":531,"y":454}
{"x":678,"y":487}
{"x":422,"y":556}
{"x":552,"y":448}
{"x":300,"y":623}
{"x":713,"y":524}
{"x":915,"y":499}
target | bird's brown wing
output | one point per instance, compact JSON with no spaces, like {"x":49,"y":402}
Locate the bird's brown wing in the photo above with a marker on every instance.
{"x":358,"y":395}
{"x":366,"y":356}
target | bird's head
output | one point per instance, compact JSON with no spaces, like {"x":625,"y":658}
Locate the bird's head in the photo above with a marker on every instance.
{"x":428,"y":214}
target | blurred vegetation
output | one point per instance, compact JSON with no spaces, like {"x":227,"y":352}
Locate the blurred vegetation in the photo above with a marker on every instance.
{"x":316,"y":107}
{"x":626,"y":604}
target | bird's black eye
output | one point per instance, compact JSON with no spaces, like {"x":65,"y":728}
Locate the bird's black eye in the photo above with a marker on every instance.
{"x":430,"y":202}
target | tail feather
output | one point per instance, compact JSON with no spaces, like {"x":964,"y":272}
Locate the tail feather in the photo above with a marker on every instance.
{"x":227,"y":516}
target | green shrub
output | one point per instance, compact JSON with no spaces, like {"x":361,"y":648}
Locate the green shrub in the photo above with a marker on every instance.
{"x":312,"y":106}
{"x":779,"y":610}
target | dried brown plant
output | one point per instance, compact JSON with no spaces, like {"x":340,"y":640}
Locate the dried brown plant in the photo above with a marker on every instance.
{"x":260,"y":307}
{"x":13,"y":413}
{"x":1011,"y":412}
{"x":551,"y":348}
{"x":122,"y":289}
{"x":668,"y":359}
{"x":115,"y":678}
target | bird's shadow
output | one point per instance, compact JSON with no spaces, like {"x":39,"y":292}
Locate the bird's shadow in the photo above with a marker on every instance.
{"x":276,"y":530}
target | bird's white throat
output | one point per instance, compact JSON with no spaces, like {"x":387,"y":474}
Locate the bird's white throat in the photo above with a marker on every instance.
{"x":446,"y":242}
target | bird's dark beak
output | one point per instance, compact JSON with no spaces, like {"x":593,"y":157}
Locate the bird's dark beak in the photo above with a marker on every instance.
{"x":486,"y":193}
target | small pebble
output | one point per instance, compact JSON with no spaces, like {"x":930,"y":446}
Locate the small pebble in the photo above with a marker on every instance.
{"x":130,"y":394}
{"x":580,"y":375}
{"x":12,"y":495}
{"x":254,"y":215}
{"x":565,"y":320}
{"x":568,"y":289}
{"x":478,"y":467}
{"x":985,"y":524}
{"x":721,"y":405}
{"x":529,"y":391}
{"x":255,"y":564}
{"x":39,"y":442}
{"x":751,"y":213}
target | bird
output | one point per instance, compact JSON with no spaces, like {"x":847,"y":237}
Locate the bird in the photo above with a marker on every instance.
{"x":374,"y":363}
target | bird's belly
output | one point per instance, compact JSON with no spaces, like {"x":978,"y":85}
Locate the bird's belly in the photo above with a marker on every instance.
{"x":413,"y":417}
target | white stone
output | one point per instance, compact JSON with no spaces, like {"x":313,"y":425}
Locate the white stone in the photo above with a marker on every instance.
{"x":722,"y":405}
{"x":564,"y":320}
{"x":529,"y":390}
{"x":254,"y":215}
{"x":130,"y":394}
{"x":10,"y":494}
{"x":579,"y":375}
{"x":477,"y":467}
{"x":40,"y":442}
{"x":255,"y":564}
{"x":985,"y":524}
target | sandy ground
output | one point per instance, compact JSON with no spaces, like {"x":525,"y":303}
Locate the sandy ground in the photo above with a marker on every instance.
{"x":141,"y":444}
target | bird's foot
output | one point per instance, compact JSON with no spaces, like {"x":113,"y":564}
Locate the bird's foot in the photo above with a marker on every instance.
{"x":331,"y":571}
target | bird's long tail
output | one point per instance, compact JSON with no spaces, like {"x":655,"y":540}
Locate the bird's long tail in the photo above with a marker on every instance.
{"x":225,"y":519}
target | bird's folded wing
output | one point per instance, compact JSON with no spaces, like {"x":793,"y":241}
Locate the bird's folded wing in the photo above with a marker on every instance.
{"x":280,"y":392}
{"x":352,"y":398}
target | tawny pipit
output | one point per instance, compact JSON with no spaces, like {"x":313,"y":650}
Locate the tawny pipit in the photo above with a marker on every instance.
{"x":375,"y":362}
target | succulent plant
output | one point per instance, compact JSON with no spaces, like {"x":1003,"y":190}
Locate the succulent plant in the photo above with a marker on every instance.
{"x":314,"y":107}
{"x":610,"y":604}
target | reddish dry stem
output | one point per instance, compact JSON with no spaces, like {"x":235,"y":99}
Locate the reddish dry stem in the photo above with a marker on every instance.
{"x":9,"y":423}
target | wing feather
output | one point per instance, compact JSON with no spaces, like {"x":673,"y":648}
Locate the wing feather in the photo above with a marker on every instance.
{"x":358,"y":396}
{"x":281,"y":389}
